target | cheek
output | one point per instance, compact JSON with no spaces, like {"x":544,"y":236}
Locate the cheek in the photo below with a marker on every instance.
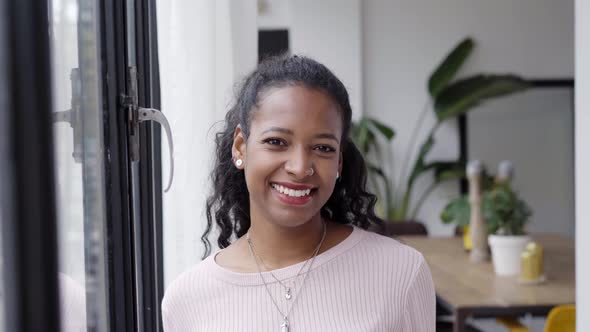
{"x":327,"y":173}
{"x":258,"y":169}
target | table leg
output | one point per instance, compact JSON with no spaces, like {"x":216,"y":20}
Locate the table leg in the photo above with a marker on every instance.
{"x":459,"y":317}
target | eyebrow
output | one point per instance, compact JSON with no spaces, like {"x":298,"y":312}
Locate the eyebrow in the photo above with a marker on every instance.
{"x":290,"y":132}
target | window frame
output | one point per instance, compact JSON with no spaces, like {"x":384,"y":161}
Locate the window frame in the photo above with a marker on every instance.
{"x":136,"y":278}
{"x":150,"y":166}
{"x":29,"y":232}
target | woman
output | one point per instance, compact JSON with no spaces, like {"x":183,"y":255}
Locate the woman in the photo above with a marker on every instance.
{"x":290,"y":186}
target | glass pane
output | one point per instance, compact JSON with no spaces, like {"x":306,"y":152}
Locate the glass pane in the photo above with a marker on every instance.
{"x":79,"y":165}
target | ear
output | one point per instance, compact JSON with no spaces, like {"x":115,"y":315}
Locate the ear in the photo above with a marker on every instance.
{"x":238,"y":148}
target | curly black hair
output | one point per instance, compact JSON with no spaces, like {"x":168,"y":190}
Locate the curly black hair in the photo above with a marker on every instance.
{"x":229,"y":206}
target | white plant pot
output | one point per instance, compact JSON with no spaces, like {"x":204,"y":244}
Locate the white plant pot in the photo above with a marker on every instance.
{"x":506,"y":250}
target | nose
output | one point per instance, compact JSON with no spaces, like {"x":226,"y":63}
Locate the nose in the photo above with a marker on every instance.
{"x":299,"y":164}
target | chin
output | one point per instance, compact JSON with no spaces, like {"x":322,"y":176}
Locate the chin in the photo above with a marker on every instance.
{"x":291,"y":218}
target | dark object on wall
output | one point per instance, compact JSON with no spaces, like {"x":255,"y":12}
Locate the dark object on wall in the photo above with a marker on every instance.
{"x":272,"y":42}
{"x":566,"y":83}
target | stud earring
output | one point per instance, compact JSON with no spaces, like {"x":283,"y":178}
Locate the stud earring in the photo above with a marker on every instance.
{"x":239,"y":162}
{"x":337,"y":175}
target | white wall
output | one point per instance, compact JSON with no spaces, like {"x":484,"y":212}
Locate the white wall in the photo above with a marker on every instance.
{"x":535,"y":131}
{"x":404,"y":40}
{"x":274,"y":14}
{"x":582,"y":164}
{"x":328,"y":31}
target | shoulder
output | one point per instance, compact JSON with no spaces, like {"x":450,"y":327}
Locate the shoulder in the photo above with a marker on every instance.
{"x":187,"y":286}
{"x":387,"y":250}
{"x":387,"y":260}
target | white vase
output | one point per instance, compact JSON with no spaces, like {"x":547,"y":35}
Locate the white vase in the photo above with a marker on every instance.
{"x":506,"y":250}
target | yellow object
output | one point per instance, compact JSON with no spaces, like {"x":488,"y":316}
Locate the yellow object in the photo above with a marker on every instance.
{"x":561,"y":318}
{"x":466,"y":238}
{"x":512,"y":324}
{"x":532,"y":263}
{"x":537,"y":252}
{"x":527,"y":270}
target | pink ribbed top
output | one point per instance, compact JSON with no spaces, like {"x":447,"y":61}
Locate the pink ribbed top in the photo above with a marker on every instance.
{"x":367,"y":282}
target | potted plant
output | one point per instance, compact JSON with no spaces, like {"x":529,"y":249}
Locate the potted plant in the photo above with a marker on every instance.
{"x":505,"y":214}
{"x":506,"y":219}
{"x":448,"y":99}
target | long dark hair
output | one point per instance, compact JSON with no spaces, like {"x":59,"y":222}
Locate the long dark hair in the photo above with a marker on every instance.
{"x":229,"y":206}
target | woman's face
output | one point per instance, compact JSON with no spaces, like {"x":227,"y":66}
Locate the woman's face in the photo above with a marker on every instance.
{"x":294,"y":130}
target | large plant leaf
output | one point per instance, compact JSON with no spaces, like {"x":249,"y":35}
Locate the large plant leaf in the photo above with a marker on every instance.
{"x":362,"y":136}
{"x":461,"y":96}
{"x":445,"y":72}
{"x":420,"y":166}
{"x":447,"y":170}
{"x":377,"y":170}
{"x":383,"y":196}
{"x":385,"y":130}
{"x":458,"y":212}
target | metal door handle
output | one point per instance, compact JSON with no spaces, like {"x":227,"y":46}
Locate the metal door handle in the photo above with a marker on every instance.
{"x":152,"y":114}
{"x":136,"y":115}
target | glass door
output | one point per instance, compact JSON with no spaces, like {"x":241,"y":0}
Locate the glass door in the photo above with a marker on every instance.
{"x":80,"y":181}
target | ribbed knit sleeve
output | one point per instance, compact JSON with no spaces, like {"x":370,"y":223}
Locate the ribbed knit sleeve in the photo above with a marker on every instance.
{"x":420,"y":312}
{"x":72,"y":304}
{"x":167,"y":320}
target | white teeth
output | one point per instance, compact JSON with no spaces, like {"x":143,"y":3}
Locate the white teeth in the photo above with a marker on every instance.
{"x":291,"y":192}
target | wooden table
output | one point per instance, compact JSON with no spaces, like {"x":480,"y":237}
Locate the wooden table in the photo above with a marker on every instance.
{"x":470,"y":289}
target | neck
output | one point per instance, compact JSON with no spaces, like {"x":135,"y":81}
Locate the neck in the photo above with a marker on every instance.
{"x":281,"y":246}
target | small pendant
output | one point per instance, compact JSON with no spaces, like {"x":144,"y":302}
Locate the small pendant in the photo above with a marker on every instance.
{"x":285,"y":325}
{"x":288,"y":295}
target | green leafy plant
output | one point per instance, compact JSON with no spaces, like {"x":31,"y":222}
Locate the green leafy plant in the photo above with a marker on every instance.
{"x":368,"y":135}
{"x":503,"y":211}
{"x":448,"y":99}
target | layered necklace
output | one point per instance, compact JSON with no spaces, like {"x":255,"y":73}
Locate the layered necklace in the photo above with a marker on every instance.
{"x":288,"y":291}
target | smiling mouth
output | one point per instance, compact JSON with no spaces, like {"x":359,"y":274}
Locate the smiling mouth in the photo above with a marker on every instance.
{"x":293,"y":193}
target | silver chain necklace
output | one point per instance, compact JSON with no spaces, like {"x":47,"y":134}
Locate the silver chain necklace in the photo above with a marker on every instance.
{"x":288,"y":293}
{"x":285,"y":324}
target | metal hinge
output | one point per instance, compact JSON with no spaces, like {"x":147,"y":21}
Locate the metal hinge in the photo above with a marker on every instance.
{"x":136,"y":115}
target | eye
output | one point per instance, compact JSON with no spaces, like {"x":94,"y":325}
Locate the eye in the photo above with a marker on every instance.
{"x":274,"y":141}
{"x":325,"y":148}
